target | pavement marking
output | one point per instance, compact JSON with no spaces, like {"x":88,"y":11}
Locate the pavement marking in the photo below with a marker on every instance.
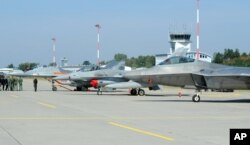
{"x":142,"y":131}
{"x":82,"y":118}
{"x":47,"y":105}
{"x":15,"y":96}
{"x":223,"y":95}
{"x":237,"y":94}
{"x":52,"y":118}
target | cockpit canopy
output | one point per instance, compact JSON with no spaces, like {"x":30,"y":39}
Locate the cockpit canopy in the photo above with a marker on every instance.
{"x":89,"y":68}
{"x":176,"y":60}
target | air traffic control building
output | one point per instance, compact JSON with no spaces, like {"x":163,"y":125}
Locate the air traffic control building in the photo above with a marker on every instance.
{"x":181,"y":41}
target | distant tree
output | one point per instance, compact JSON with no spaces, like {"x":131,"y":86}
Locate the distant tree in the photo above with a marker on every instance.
{"x":10,"y":66}
{"x":228,"y":54}
{"x":86,"y":62}
{"x":231,"y":54}
{"x":132,"y":62}
{"x":141,"y":61}
{"x":244,"y":54}
{"x":150,"y":61}
{"x":218,"y":58}
{"x":27,"y":66}
{"x":236,"y":53}
{"x":120,"y":57}
{"x":232,"y":57}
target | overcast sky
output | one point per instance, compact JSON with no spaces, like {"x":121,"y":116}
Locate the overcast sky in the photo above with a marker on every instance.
{"x":132,"y":27}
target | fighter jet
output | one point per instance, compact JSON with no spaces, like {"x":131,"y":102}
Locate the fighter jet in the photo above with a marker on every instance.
{"x":103,"y":79}
{"x":181,"y":71}
{"x":96,"y":77}
{"x":50,"y":72}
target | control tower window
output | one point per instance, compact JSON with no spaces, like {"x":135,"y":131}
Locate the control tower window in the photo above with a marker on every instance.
{"x":180,"y":36}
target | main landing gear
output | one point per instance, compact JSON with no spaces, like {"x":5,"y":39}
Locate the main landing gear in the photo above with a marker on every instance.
{"x":139,"y":92}
{"x":99,"y":91}
{"x":54,"y":88}
{"x":196,"y":98}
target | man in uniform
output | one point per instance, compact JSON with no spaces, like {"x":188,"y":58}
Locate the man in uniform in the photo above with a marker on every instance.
{"x":20,"y":82}
{"x":35,"y":84}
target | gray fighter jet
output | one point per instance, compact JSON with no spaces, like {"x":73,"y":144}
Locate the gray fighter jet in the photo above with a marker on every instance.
{"x":182,"y":71}
{"x":96,"y":77}
{"x":103,"y":79}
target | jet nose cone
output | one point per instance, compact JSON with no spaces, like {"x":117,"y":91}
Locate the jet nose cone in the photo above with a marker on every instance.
{"x":63,"y":77}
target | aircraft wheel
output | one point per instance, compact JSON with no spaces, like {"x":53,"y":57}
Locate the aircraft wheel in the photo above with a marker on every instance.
{"x":196,"y":98}
{"x":54,"y":88}
{"x":141,"y":92}
{"x":78,"y":88}
{"x":99,"y":92}
{"x":133,"y":92}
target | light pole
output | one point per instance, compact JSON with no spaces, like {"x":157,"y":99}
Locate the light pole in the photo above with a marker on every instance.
{"x":98,"y":27}
{"x":198,"y":30}
{"x":54,"y":51}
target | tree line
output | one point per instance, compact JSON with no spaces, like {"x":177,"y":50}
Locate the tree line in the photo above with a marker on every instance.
{"x":136,"y":62}
{"x":25,"y":66}
{"x":228,"y":57}
{"x":232,"y":57}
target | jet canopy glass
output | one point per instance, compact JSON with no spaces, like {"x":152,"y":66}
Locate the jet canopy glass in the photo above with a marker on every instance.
{"x":177,"y":60}
{"x":89,"y":68}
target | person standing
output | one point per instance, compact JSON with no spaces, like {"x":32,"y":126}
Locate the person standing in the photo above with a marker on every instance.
{"x":3,"y":83}
{"x":20,"y":82}
{"x":15,"y":84}
{"x":11,"y":83}
{"x":35,"y":84}
{"x":7,"y":84}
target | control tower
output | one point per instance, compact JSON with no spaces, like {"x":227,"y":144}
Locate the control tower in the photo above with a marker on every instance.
{"x":64,"y":62}
{"x":180,"y":41}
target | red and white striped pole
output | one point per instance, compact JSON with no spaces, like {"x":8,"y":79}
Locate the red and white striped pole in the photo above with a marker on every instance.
{"x":198,"y":30}
{"x":98,"y":44}
{"x":54,"y":51}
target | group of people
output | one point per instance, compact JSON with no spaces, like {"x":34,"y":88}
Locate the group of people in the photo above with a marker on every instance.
{"x":11,"y":83}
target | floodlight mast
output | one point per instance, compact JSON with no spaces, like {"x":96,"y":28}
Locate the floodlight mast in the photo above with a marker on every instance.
{"x":54,"y":51}
{"x":98,"y":27}
{"x":198,"y":30}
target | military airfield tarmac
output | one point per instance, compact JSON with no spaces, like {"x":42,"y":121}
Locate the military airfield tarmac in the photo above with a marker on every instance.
{"x":115,"y":118}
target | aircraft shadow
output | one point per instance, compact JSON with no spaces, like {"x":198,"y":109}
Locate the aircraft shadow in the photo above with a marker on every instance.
{"x":166,"y":95}
{"x":202,"y":101}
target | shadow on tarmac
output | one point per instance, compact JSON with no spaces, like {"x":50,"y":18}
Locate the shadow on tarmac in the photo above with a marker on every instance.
{"x":202,"y":101}
{"x":167,"y":95}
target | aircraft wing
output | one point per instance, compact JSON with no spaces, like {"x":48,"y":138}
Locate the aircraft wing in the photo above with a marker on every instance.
{"x":225,"y":78}
{"x":227,"y":72}
{"x":36,"y":75}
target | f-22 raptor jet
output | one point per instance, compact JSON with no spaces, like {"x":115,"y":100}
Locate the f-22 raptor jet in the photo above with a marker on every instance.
{"x":182,"y":71}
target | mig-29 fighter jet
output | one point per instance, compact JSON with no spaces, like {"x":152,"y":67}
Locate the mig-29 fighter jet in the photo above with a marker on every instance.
{"x":102,"y":79}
